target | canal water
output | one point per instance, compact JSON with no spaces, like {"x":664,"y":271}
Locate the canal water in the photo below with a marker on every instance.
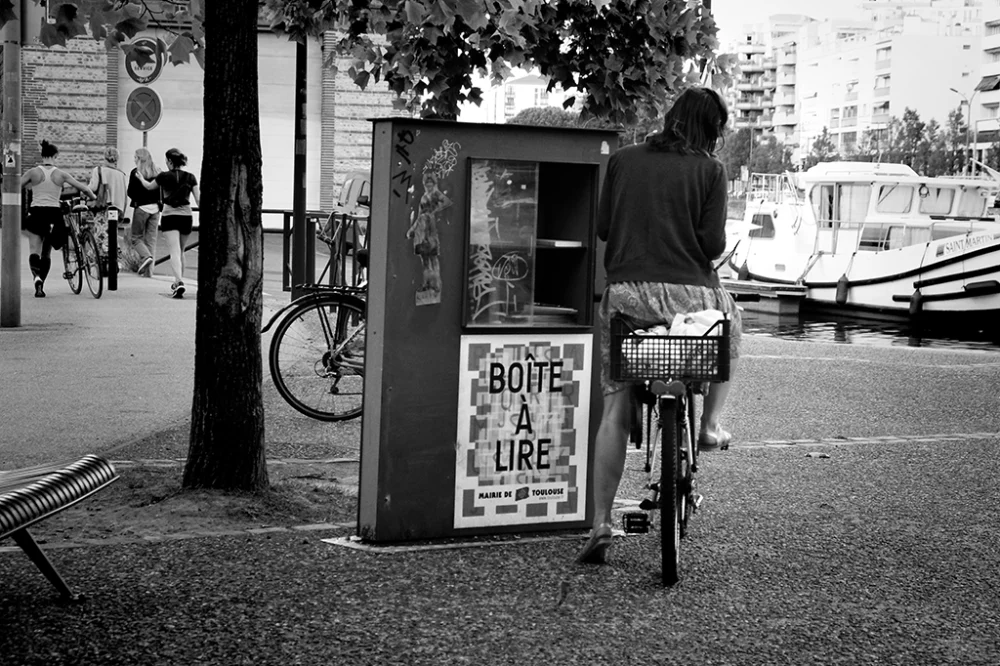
{"x":827,"y":327}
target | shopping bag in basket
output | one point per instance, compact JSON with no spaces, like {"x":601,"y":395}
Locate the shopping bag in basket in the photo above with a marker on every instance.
{"x":669,"y":352}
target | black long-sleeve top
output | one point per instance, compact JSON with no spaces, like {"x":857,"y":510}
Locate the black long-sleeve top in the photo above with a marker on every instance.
{"x":663,"y":216}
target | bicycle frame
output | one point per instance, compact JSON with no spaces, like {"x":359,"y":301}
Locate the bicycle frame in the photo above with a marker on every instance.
{"x":353,"y":295}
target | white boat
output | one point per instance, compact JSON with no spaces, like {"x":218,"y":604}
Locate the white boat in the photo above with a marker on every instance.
{"x":873,"y":237}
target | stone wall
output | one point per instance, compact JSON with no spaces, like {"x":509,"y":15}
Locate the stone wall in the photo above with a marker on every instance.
{"x":65,"y":97}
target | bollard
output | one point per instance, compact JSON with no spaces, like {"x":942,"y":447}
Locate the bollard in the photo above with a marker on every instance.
{"x":112,"y":215}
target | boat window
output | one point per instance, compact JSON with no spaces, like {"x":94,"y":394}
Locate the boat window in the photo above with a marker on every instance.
{"x":841,"y":203}
{"x":822,"y":203}
{"x":766,"y":227}
{"x":894,"y":198}
{"x":971,"y":203}
{"x":936,"y":200}
{"x":854,"y":200}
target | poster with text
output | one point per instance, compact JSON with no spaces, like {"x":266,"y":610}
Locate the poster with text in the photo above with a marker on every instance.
{"x":523,"y":429}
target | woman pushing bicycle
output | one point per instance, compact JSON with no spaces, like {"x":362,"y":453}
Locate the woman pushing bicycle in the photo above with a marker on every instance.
{"x":44,"y":225}
{"x":663,"y":216}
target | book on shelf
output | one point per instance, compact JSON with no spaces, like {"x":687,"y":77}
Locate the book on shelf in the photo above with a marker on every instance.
{"x":554,"y":242}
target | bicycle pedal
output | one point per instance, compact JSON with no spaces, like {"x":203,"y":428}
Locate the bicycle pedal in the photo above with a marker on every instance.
{"x":649,"y":504}
{"x":635,"y":522}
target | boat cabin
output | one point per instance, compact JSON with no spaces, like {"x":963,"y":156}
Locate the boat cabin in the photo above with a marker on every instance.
{"x":872,"y":207}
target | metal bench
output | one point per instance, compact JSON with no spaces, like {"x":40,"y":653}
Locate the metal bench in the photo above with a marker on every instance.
{"x":30,"y":495}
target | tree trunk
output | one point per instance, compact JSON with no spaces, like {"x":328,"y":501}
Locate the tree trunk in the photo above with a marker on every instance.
{"x":227,"y":415}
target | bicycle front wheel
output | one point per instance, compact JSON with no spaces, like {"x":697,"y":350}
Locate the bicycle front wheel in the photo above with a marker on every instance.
{"x":71,"y":263}
{"x":317,"y":357}
{"x":92,"y":265}
{"x":671,"y":503}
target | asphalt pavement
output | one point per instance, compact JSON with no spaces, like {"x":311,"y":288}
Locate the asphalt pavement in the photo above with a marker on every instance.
{"x":854,"y":522}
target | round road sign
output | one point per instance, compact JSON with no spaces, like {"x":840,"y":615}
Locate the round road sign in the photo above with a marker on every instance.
{"x":143,"y":108}
{"x":151,"y":69}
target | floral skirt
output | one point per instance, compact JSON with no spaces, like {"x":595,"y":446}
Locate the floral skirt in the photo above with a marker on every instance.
{"x":651,"y":303}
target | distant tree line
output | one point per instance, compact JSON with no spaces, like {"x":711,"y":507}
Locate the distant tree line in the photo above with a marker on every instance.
{"x":928,"y":148}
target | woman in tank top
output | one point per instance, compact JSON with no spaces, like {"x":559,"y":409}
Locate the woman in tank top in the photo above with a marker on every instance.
{"x":44,"y":224}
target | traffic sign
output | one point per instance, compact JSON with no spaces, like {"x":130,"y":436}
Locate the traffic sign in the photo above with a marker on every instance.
{"x":143,"y":109}
{"x":150,"y":70}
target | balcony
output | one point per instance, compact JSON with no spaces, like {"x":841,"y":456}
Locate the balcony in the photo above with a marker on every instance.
{"x":883,"y":64}
{"x":851,"y":97}
{"x":835,"y":123}
{"x":786,"y":80}
{"x":880,"y":118}
{"x":881,"y":92}
{"x":750,"y":104}
{"x":784,"y":100}
{"x":783,"y":119}
{"x":849,"y":122}
{"x":750,"y":85}
{"x":787,"y":57}
{"x":751,"y":66}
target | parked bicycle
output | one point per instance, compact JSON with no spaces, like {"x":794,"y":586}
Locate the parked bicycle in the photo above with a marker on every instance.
{"x":317,"y":353}
{"x":673,"y":370}
{"x":81,"y":257}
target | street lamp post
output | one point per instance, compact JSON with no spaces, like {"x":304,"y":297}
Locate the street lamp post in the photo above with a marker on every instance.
{"x":968,"y":126}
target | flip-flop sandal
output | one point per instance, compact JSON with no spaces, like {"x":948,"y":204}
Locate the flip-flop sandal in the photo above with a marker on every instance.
{"x":596,"y":548}
{"x":714,"y":442}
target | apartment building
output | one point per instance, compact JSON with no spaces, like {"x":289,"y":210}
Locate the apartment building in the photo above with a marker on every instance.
{"x":524,"y":90}
{"x":986,"y":109}
{"x":851,"y":75}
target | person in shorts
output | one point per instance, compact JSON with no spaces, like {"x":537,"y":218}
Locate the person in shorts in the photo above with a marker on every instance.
{"x":44,"y":225}
{"x":176,"y":222}
{"x":662,"y":214}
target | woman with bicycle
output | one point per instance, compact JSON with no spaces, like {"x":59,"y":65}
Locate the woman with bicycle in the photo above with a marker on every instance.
{"x":663,"y":216}
{"x":44,"y":225}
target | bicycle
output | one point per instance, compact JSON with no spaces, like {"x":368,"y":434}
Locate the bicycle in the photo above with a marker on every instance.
{"x":317,"y":354}
{"x":81,"y":257}
{"x":672,"y":370}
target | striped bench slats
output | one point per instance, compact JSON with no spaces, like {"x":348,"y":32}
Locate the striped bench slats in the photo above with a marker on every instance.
{"x":53,"y":492}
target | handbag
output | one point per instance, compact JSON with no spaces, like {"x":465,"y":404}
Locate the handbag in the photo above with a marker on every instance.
{"x":101,"y":195}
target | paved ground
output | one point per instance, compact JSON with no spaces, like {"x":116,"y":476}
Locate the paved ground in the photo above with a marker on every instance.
{"x":854,"y":522}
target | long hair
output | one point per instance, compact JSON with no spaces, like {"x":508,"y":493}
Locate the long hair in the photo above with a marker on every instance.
{"x":694,"y":124}
{"x":49,"y":149}
{"x":146,"y":166}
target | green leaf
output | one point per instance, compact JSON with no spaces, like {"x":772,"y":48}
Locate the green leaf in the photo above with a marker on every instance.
{"x":415,"y":12}
{"x":130,"y":27}
{"x":6,"y":12}
{"x":180,"y":51}
{"x":97,"y":29}
{"x":68,"y":22}
{"x":143,"y":54}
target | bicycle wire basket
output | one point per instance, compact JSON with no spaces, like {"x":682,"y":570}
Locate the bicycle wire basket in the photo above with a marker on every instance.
{"x":639,"y":357}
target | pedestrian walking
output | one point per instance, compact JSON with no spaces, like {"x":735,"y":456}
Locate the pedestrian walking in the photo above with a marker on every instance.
{"x":109,"y":185}
{"x":44,"y":226}
{"x":177,"y":185}
{"x":146,"y":208}
{"x":663,"y":216}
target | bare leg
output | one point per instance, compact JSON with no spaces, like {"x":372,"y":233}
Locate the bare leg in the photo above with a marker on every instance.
{"x":715,"y":400}
{"x":609,"y":454}
{"x":173,"y":239}
{"x":183,"y":244}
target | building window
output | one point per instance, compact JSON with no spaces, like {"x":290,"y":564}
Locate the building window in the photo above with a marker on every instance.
{"x":993,"y":28}
{"x":509,"y":98}
{"x":541,"y":97}
{"x":850,"y":112}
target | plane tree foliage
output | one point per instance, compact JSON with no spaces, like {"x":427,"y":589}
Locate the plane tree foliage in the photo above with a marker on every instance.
{"x":623,"y":58}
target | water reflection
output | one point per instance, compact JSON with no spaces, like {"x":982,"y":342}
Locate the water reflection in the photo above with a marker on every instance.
{"x":827,"y":327}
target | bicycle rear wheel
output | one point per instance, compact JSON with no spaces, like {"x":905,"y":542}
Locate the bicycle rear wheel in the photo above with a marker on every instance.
{"x":671,"y":502}
{"x":71,"y":263}
{"x":92,"y":264}
{"x":317,"y":357}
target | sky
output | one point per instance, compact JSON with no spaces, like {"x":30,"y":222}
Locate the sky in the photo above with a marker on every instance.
{"x":731,"y":15}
